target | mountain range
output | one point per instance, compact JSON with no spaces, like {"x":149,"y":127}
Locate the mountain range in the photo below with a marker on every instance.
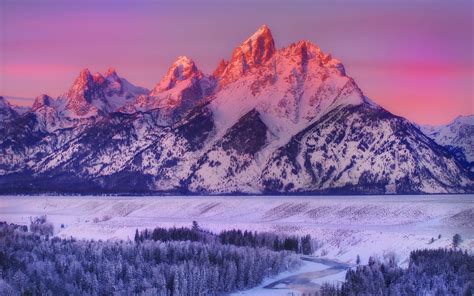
{"x":457,"y":137}
{"x":266,"y":121}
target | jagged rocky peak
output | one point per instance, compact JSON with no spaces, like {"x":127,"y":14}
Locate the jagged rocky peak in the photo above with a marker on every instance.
{"x":111,"y":73}
{"x":305,"y":50}
{"x":255,"y":51}
{"x":42,"y":100}
{"x":87,"y":89}
{"x":183,"y":68}
{"x":7,"y":111}
{"x":113,"y":83}
{"x":181,"y":89}
{"x":83,"y":84}
{"x":86,"y":80}
{"x":220,"y":68}
{"x":82,"y":81}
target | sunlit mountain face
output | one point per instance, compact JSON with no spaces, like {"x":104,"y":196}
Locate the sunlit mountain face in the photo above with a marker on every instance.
{"x":268,"y":120}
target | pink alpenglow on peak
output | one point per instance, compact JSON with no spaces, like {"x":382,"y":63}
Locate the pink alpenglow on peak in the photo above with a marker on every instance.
{"x":111,"y":73}
{"x":182,"y":69}
{"x":255,"y":51}
{"x":420,"y":68}
{"x":183,"y":88}
{"x":220,"y":68}
{"x":289,"y":87}
{"x":93,"y":95}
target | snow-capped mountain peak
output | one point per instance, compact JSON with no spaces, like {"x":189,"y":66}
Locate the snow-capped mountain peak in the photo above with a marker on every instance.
{"x":7,"y":112}
{"x":182,"y":88}
{"x":86,"y":97}
{"x":111,"y":73}
{"x":458,"y":136}
{"x":81,"y":82}
{"x":289,"y":87}
{"x":97,"y":94}
{"x":305,"y":51}
{"x":40,"y":101}
{"x":255,"y":51}
{"x":182,"y":69}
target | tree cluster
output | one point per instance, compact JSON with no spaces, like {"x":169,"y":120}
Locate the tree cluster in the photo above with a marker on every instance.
{"x":302,"y":245}
{"x":41,"y":225}
{"x":34,"y":264}
{"x":430,"y":272}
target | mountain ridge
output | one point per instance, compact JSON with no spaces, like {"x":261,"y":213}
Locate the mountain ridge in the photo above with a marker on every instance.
{"x":267,"y":121}
{"x":457,"y":136}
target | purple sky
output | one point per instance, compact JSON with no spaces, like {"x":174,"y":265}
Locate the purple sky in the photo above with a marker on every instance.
{"x":413,"y":57}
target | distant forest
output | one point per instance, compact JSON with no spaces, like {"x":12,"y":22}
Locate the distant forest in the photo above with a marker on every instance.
{"x":430,"y":272}
{"x":302,"y":245}
{"x":33,"y":263}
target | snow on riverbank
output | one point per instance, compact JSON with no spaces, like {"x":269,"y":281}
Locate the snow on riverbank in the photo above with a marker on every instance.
{"x":284,"y":290}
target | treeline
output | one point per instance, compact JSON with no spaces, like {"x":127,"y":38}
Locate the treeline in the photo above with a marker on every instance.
{"x":303,"y":245}
{"x":34,"y":264}
{"x":430,"y":272}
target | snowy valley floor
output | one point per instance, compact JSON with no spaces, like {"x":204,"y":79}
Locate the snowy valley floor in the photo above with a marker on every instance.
{"x":346,"y":226}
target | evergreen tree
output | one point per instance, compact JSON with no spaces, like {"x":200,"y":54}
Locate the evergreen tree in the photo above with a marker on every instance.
{"x":306,"y":245}
{"x":195,"y":226}
{"x":137,"y":236}
{"x":456,"y":240}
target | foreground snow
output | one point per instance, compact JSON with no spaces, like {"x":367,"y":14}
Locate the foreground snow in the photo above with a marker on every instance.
{"x":345,"y":226}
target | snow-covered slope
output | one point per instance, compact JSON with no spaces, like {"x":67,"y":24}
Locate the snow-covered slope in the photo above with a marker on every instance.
{"x":363,"y":149}
{"x":7,"y":111}
{"x":290,"y":87}
{"x":267,"y":120}
{"x":344,"y":226}
{"x":20,"y":109}
{"x":94,"y":95}
{"x":183,"y":88}
{"x":457,"y":136}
